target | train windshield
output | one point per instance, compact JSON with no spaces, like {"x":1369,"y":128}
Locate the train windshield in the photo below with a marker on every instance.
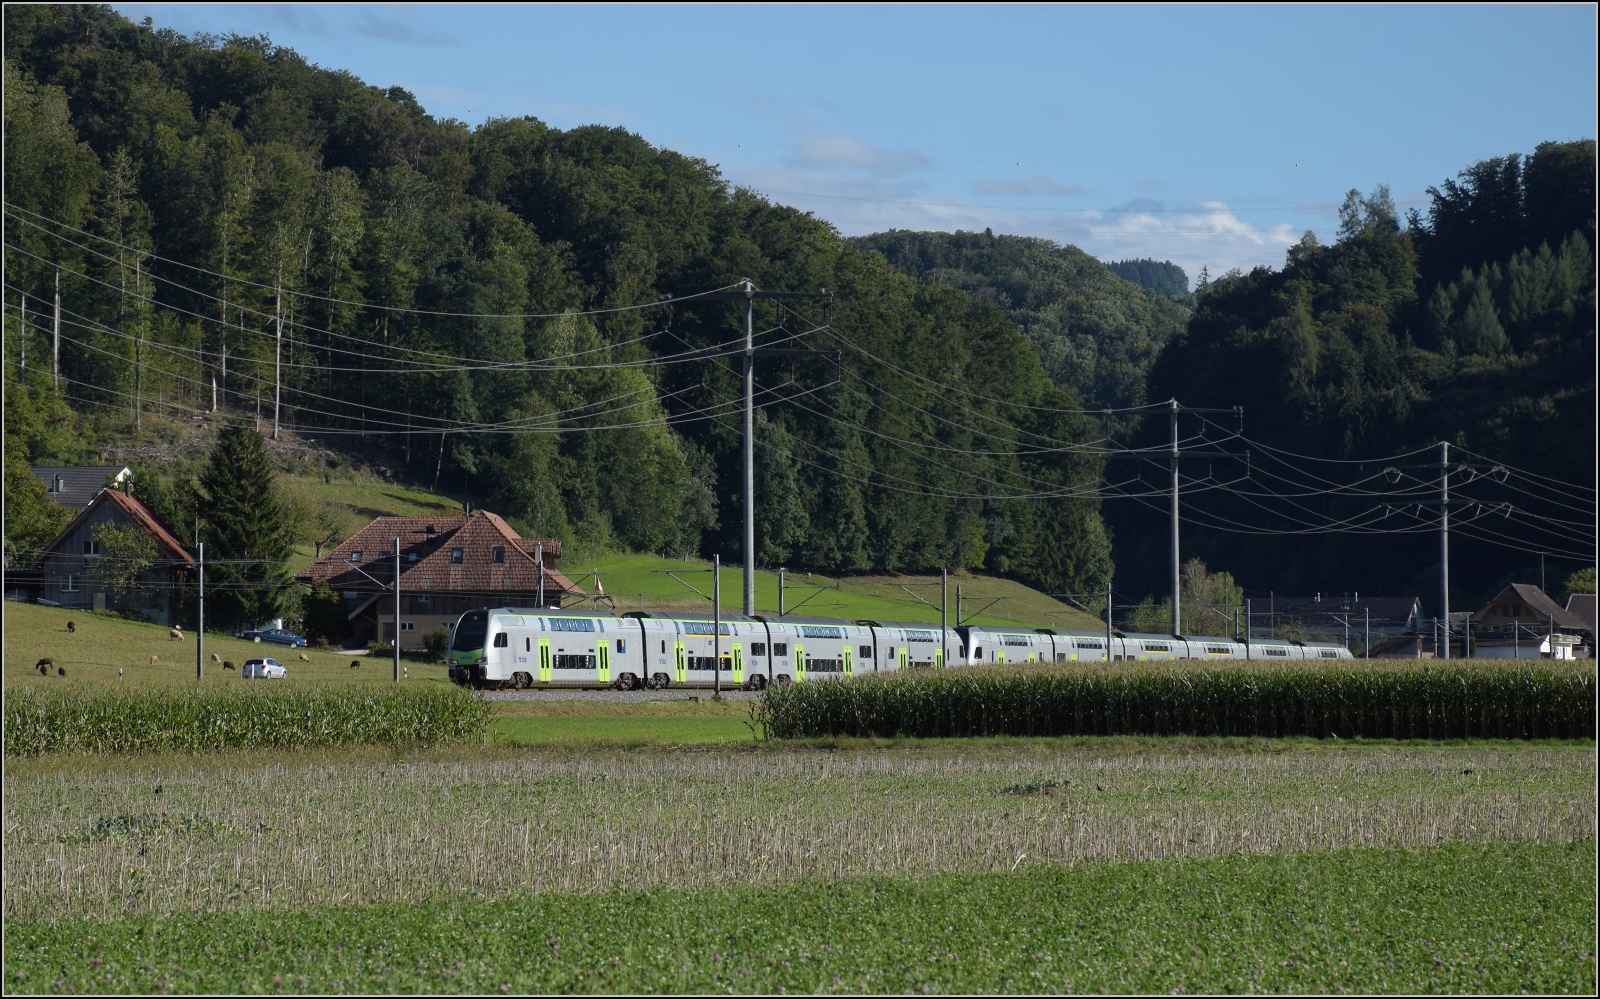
{"x":471,"y":632}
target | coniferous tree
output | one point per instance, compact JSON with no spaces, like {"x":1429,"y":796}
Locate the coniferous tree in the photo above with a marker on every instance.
{"x":246,"y":529}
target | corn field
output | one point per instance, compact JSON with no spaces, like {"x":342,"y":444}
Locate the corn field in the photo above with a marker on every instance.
{"x":140,"y":721}
{"x":1347,"y":700}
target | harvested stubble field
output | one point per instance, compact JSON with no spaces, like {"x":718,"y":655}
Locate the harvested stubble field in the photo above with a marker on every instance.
{"x":1461,"y":918}
{"x":1343,"y":699}
{"x":107,"y":838}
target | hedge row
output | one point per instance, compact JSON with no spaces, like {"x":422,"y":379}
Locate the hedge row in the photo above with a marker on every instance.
{"x":1349,"y":700}
{"x":168,"y":720}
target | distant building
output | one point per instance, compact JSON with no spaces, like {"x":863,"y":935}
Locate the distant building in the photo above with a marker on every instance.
{"x":448,"y":565}
{"x":1582,"y":607}
{"x":75,"y":486}
{"x":1523,"y":622}
{"x":65,"y":574}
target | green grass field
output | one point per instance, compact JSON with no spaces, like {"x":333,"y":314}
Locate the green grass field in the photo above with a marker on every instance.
{"x":101,"y":644}
{"x":681,"y":721}
{"x":1491,"y":919}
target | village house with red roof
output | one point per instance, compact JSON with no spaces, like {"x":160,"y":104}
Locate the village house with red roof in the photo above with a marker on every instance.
{"x":448,"y":565}
{"x":65,"y":574}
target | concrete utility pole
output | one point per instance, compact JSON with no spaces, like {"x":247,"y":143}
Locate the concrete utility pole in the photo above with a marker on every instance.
{"x":24,"y":365}
{"x":716,"y":625}
{"x":1444,"y":542}
{"x":277,"y":399}
{"x":55,"y":362}
{"x":780,"y":592}
{"x":396,"y":610}
{"x":748,"y":294}
{"x":944,"y":617}
{"x":538,"y":556}
{"x":200,"y":623}
{"x":1247,"y":627}
{"x":749,"y":453}
{"x":1177,"y":612}
{"x":1108,"y":619}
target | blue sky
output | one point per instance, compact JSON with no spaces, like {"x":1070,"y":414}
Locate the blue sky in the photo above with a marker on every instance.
{"x":1204,"y":135}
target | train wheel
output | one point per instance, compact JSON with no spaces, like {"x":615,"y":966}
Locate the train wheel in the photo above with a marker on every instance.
{"x":662,"y":681}
{"x":519,"y":681}
{"x":757,"y":682}
{"x":627,"y":681}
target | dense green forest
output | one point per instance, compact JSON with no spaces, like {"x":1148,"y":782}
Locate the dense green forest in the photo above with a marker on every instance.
{"x":480,"y":309}
{"x":1097,"y":332}
{"x":473,"y":308}
{"x":1472,"y":324}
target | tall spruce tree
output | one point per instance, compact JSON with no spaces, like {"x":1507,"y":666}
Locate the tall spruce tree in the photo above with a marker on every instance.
{"x":245,"y":525}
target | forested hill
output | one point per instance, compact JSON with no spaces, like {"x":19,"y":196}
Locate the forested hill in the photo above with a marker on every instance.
{"x":193,"y":193}
{"x":1098,"y":332}
{"x":1472,"y":323}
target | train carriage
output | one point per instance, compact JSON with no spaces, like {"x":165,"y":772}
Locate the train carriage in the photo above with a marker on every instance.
{"x":815,"y":648}
{"x":906,"y":645}
{"x":999,"y":646}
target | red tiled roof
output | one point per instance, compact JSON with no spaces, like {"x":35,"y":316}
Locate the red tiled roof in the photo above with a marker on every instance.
{"x":140,"y":515}
{"x":427,"y":547}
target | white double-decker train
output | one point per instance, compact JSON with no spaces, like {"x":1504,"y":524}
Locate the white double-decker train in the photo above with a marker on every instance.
{"x":548,"y":647}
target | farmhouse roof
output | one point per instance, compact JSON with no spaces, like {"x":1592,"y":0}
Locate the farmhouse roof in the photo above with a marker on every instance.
{"x":75,"y":486}
{"x":136,"y":512}
{"x":1582,"y":606}
{"x":441,"y":555}
{"x":1540,"y":603}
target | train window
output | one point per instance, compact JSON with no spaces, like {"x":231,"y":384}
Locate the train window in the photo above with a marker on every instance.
{"x":1218,"y":650}
{"x":1277,"y":652}
{"x":527,"y":645}
{"x":1156,"y":647}
{"x":502,"y":640}
{"x":978,"y":652}
{"x":758,"y":648}
{"x":780,"y":648}
{"x":1061,"y":657}
{"x":663,"y":646}
{"x":866,"y":652}
{"x":622,"y":646}
{"x":574,"y":662}
{"x":1329,"y":654}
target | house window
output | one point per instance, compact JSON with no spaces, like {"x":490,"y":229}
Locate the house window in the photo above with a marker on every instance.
{"x":355,"y":556}
{"x":408,"y":626}
{"x":91,"y":548}
{"x":69,"y":584}
{"x":411,"y":556}
{"x":422,"y":598}
{"x":455,"y":555}
{"x":499,"y":554}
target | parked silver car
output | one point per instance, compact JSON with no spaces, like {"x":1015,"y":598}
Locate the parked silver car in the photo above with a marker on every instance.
{"x":264,"y":669}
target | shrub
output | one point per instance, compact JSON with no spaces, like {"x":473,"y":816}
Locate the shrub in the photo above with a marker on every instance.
{"x":41,"y":721}
{"x":437,"y":642}
{"x":1347,"y":700}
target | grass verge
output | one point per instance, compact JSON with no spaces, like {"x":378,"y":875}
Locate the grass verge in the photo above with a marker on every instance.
{"x":1473,"y":699}
{"x":1500,"y":918}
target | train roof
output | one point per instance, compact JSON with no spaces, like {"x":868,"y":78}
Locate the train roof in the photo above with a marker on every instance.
{"x":919,"y":625}
{"x":547,"y":612}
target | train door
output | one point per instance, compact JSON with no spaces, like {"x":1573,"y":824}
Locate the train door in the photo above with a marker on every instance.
{"x":546,"y":664}
{"x":680,"y":662}
{"x":799,"y":662}
{"x":604,"y":651}
{"x":738,"y":664}
{"x":849,"y":659}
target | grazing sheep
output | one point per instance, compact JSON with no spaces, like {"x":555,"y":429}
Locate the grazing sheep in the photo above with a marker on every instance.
{"x":155,"y":660}
{"x":175,"y":635}
{"x":61,"y":671}
{"x":216,"y":658}
{"x":71,"y":626}
{"x":304,"y":658}
{"x":355,"y":664}
{"x":228,"y":664}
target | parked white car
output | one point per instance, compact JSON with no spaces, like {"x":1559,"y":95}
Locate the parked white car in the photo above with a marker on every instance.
{"x":264,"y":669}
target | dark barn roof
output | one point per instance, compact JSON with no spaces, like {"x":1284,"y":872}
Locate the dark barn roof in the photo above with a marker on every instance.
{"x":79,"y":484}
